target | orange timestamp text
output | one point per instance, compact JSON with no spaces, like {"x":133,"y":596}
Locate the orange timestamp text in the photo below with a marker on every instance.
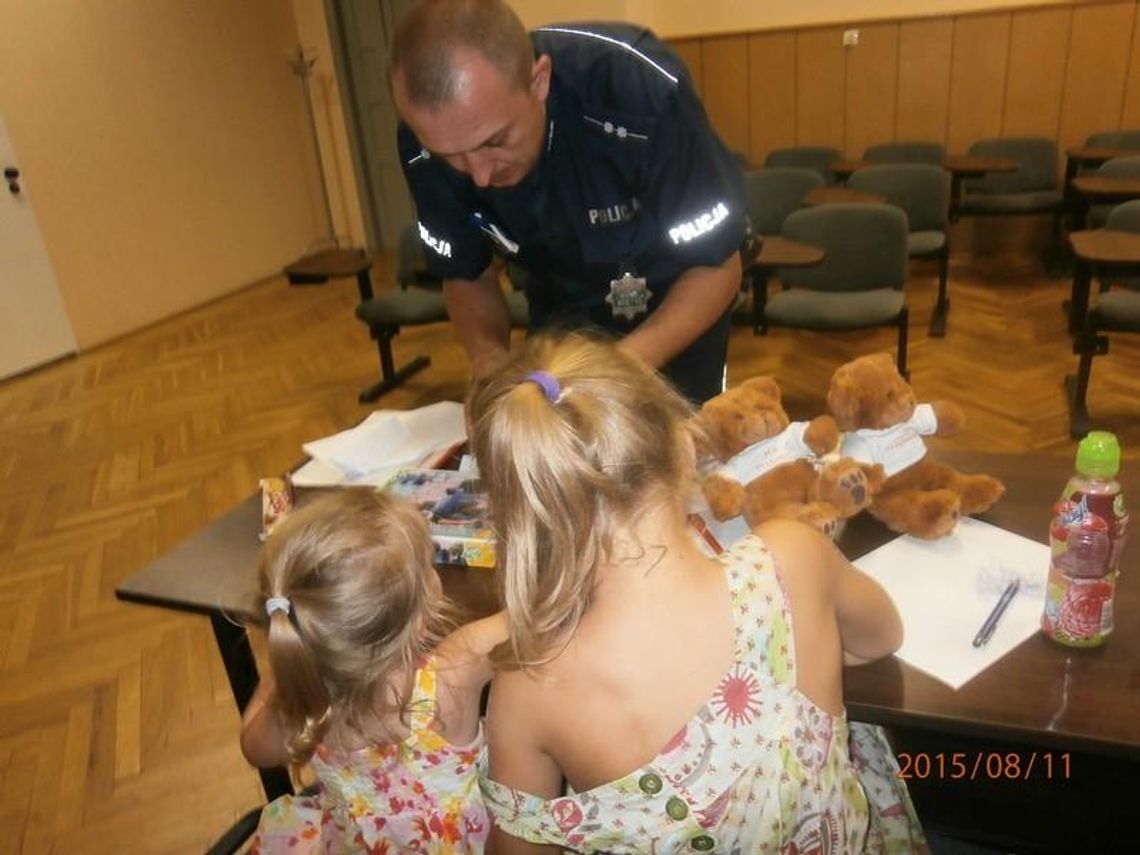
{"x":984,"y":765}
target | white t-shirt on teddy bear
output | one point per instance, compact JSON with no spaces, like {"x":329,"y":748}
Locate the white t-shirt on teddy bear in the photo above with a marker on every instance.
{"x":896,"y":447}
{"x":765,"y":455}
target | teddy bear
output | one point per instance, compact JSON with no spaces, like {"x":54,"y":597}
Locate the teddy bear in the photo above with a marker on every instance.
{"x":884,"y":423}
{"x":773,"y":468}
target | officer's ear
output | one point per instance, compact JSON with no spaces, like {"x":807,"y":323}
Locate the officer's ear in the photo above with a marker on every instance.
{"x":540,"y":77}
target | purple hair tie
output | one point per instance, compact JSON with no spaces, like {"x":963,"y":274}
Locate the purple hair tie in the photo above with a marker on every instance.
{"x":548,"y":383}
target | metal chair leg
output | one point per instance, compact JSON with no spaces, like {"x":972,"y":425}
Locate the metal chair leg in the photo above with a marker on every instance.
{"x":1089,"y":344}
{"x":942,"y":307}
{"x":390,"y":376}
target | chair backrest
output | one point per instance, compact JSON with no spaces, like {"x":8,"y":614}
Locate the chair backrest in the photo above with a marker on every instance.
{"x":922,"y":190}
{"x":1037,"y":165}
{"x":817,"y":157}
{"x":864,"y":247}
{"x":1121,"y":167}
{"x":775,"y":192}
{"x":906,"y":152}
{"x":1125,"y":217}
{"x":1114,"y":139}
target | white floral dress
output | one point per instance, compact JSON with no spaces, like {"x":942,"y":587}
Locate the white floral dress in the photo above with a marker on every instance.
{"x":759,"y":769}
{"x":418,"y":795}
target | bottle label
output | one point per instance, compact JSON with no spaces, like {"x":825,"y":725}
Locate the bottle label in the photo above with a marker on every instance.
{"x":1078,"y":612}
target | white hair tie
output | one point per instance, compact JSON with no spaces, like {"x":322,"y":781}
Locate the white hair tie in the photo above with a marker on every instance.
{"x":277,"y":604}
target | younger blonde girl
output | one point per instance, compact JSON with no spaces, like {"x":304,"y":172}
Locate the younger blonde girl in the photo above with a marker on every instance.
{"x":365,"y":685}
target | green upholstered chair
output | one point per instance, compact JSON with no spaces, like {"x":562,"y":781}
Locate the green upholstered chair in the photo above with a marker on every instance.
{"x":916,"y":151}
{"x":1118,"y":167}
{"x":817,"y":157}
{"x":775,"y":192}
{"x":1114,"y":139}
{"x":1116,"y":309}
{"x":922,"y":191}
{"x":418,"y":300}
{"x":1030,"y":189}
{"x":860,"y":281}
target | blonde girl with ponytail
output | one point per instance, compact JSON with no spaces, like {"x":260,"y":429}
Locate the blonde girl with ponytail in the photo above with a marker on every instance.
{"x":366,"y":685}
{"x":651,"y":698}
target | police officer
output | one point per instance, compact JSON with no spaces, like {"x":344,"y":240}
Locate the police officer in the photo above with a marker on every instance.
{"x":582,"y":154}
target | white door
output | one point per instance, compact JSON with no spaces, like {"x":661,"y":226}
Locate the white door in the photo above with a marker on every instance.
{"x":34,"y":328}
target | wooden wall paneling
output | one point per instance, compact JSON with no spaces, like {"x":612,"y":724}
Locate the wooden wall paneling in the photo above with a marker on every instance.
{"x":1098,"y":62}
{"x":689,"y":50}
{"x":771,"y":93}
{"x":724,"y":59}
{"x":872,"y":86}
{"x":1035,"y":82}
{"x":977,"y":79}
{"x":1130,"y":117}
{"x":820,"y":72}
{"x":925,"y":49}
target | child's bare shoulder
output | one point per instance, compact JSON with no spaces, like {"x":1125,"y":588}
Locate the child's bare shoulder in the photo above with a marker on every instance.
{"x":805,"y":557}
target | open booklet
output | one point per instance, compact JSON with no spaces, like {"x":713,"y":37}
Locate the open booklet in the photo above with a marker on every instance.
{"x":385,"y":442}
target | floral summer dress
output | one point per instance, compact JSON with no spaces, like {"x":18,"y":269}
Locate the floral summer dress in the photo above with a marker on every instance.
{"x":759,"y":769}
{"x":417,"y":795}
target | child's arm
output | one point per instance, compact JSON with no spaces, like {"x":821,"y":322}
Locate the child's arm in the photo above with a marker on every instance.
{"x":262,"y":738}
{"x":516,"y":758}
{"x":832,"y":601}
{"x":463,"y":667}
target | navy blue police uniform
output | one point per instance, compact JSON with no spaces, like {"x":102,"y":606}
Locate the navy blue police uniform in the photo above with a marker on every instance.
{"x":632,"y":182}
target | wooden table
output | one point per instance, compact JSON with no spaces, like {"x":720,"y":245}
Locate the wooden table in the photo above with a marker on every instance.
{"x":966,"y":166}
{"x":1098,"y":250}
{"x":1042,"y":700}
{"x":1086,"y":155}
{"x":1041,"y":697}
{"x":775,"y":251}
{"x":839,"y":195}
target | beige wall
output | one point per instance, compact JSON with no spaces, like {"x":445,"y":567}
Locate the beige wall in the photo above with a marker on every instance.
{"x":676,"y":18}
{"x":1060,"y":71}
{"x":164,"y":147}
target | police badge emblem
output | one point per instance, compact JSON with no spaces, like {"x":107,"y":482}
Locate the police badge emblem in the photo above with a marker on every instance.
{"x":629,"y":296}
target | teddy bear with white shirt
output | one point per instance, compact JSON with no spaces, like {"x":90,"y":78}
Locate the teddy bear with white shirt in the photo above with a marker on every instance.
{"x":771,"y":467}
{"x":884,"y":424}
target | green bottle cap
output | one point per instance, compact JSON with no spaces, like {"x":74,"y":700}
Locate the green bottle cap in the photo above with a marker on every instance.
{"x":1099,"y":454}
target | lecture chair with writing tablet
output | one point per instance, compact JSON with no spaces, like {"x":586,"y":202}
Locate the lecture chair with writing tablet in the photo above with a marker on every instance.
{"x":1030,"y":189}
{"x":817,"y":157}
{"x":922,"y":191}
{"x":906,"y":151}
{"x":1117,"y":167}
{"x":860,"y":281}
{"x":1116,"y":309}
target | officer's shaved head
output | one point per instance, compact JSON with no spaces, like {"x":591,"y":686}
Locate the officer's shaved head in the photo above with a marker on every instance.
{"x":428,"y":37}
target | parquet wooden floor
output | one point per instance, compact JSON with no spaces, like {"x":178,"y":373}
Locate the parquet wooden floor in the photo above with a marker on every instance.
{"x":117,"y":729}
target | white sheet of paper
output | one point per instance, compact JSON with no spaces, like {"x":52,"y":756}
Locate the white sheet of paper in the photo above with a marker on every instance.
{"x":384,"y":442}
{"x":945,"y":589}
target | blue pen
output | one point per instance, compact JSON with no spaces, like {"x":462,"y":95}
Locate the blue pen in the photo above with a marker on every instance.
{"x":991,"y":623}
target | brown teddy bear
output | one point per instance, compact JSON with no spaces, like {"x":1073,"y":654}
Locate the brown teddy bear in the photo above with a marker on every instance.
{"x":776,"y":469}
{"x":884,"y":423}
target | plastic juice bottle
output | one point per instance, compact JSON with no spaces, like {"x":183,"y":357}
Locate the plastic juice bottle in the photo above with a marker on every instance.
{"x":1086,"y":538}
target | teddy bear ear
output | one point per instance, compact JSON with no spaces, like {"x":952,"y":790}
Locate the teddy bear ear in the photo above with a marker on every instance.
{"x":843,"y":400}
{"x":765,"y":385}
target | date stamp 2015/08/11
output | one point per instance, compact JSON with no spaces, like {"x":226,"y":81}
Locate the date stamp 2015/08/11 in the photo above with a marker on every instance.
{"x":985,"y":765}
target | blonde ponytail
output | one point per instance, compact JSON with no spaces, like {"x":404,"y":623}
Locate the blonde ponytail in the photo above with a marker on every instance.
{"x":565,"y":468}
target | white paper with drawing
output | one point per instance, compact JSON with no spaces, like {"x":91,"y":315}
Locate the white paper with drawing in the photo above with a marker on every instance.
{"x":945,"y":589}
